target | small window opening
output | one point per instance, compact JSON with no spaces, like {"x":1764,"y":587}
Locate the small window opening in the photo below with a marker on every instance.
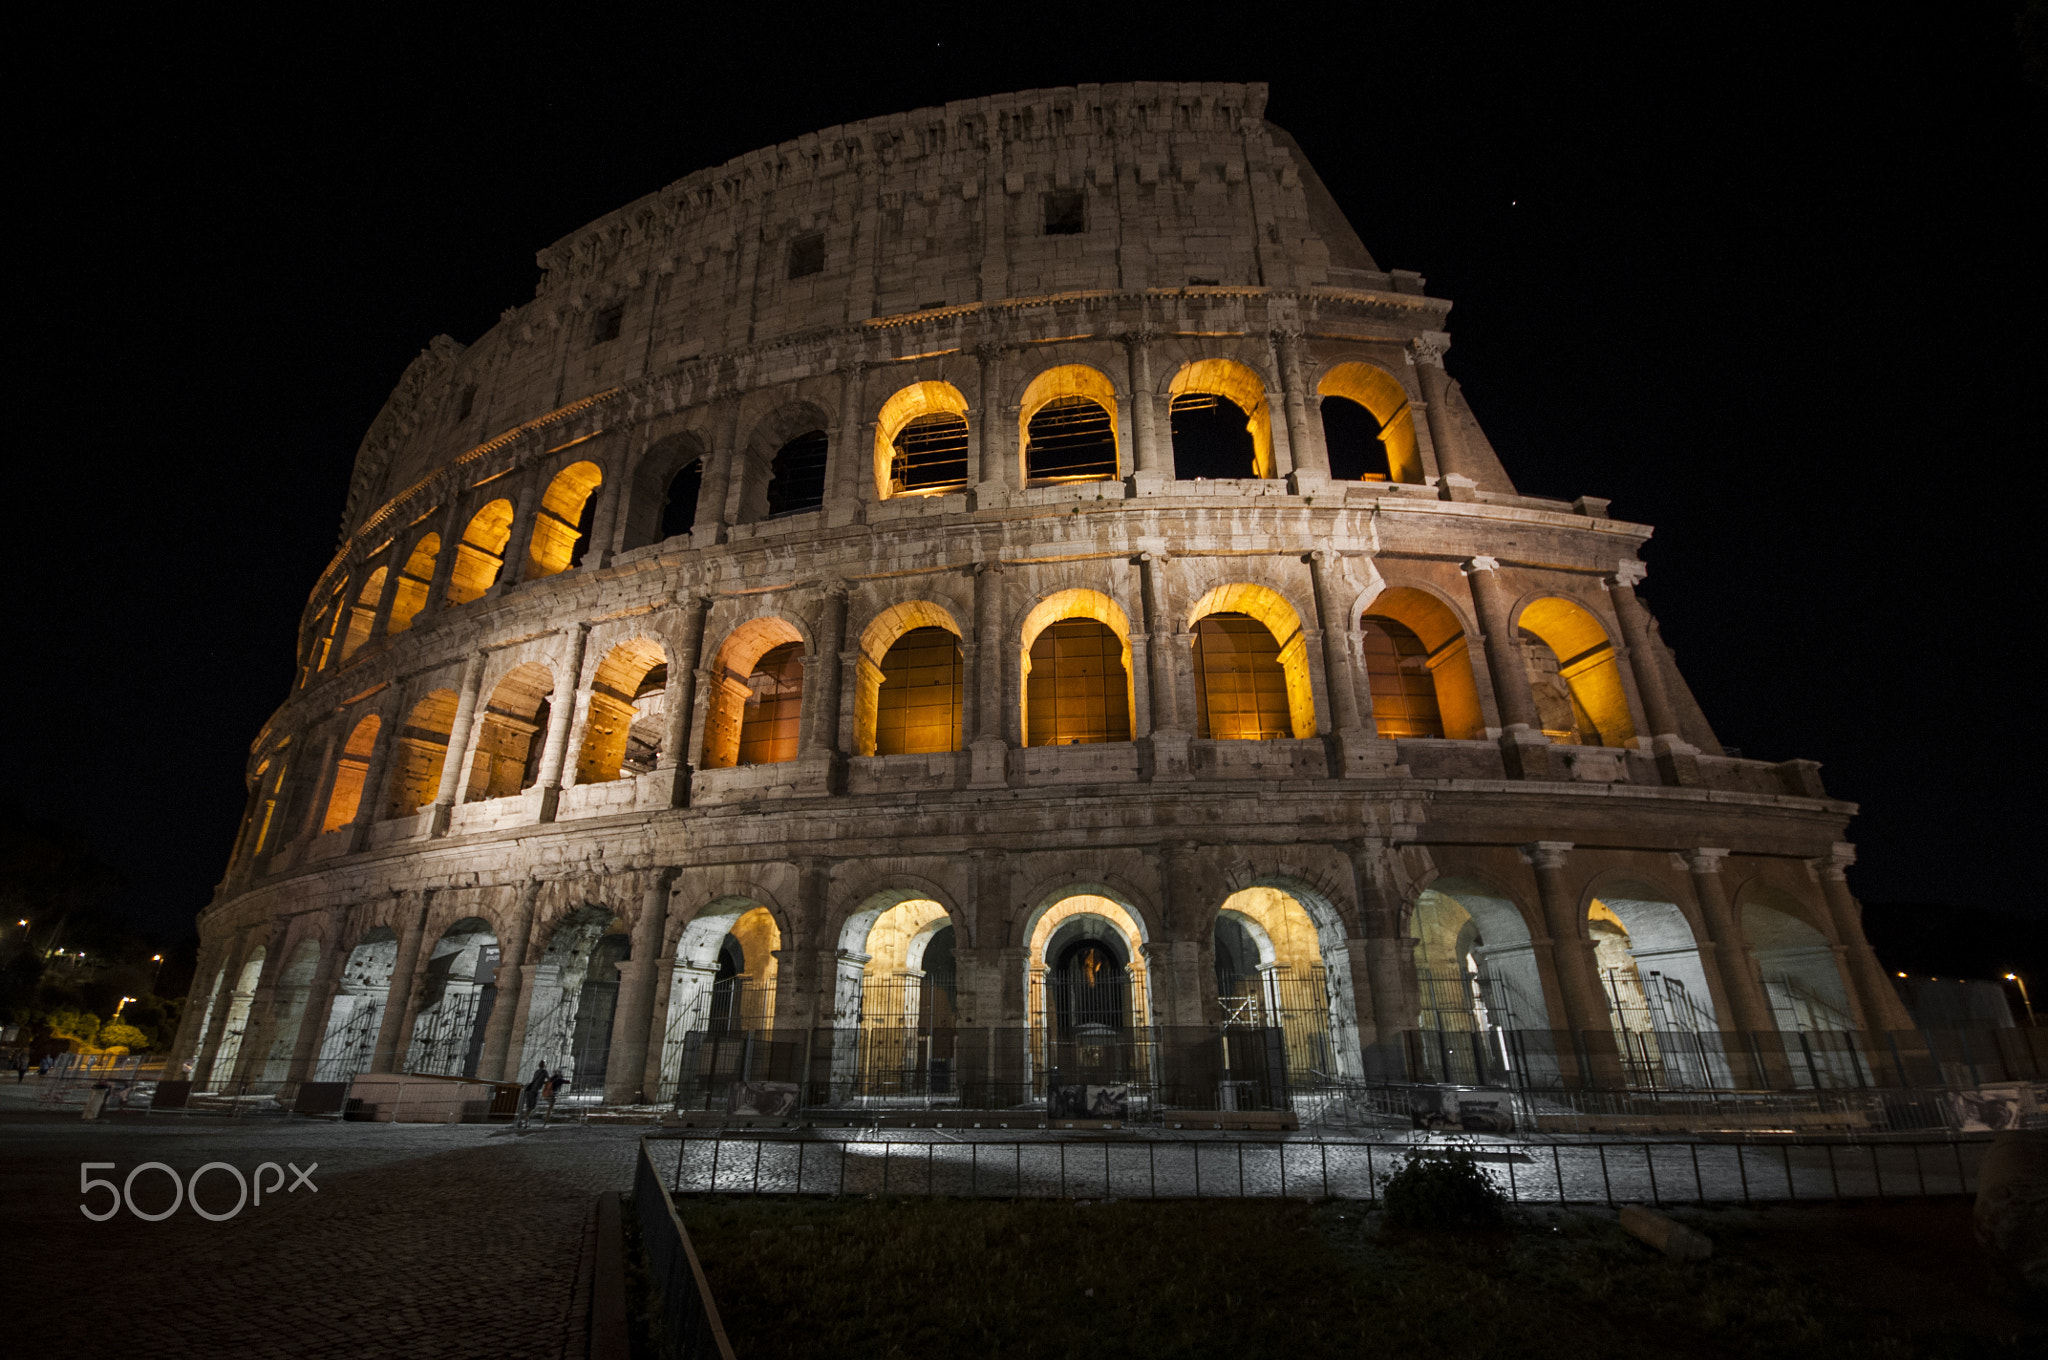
{"x":1352,"y":435}
{"x":679,"y":509}
{"x":466,"y":403}
{"x":1205,"y":283}
{"x":1071,"y":440}
{"x":1066,"y":212}
{"x":606,"y":326}
{"x":796,"y":477}
{"x":807,"y":255}
{"x":931,"y":456}
{"x":1212,"y":437}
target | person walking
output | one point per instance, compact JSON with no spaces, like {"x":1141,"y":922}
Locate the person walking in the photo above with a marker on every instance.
{"x":530,"y":1096}
{"x":555,"y":1085}
{"x":20,"y":1068}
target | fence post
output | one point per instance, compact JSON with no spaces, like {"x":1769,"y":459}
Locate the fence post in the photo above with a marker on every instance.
{"x":1650,"y":1161}
{"x":1699,"y":1186}
{"x":1557,"y":1161}
{"x":1742,"y":1169}
{"x":1791,"y":1190}
{"x":1834,"y":1180}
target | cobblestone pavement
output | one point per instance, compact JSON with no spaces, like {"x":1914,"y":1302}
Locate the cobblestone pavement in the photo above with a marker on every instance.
{"x":420,"y":1240}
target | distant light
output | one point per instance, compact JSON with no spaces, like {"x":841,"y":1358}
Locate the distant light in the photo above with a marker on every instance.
{"x":1902,"y":975}
{"x":2011,"y":977}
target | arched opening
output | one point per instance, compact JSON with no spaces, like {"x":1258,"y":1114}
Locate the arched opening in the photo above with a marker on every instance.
{"x":1251,"y":667}
{"x":1397,"y":667}
{"x":457,"y":993}
{"x":349,"y":773}
{"x":362,"y":616}
{"x":1067,"y":423}
{"x":877,"y":641}
{"x":796,"y":475}
{"x":756,"y":702}
{"x":288,"y":1009}
{"x":894,"y":1002}
{"x":623,"y":727}
{"x":480,"y":556}
{"x":917,"y":704}
{"x":515,"y":724}
{"x":421,"y":755}
{"x":1368,"y":426}
{"x":1574,"y":675}
{"x":410,"y":593}
{"x":679,"y":500}
{"x":575,"y":990}
{"x":222,"y":1074}
{"x":1090,"y":1006}
{"x":1419,"y":665}
{"x":1222,"y":426}
{"x":1656,"y":989}
{"x":921,"y":441}
{"x":1282,"y":965}
{"x":721,"y":1006}
{"x":320,"y":635}
{"x":350,"y":1040}
{"x":561,"y":527}
{"x":1481,"y":1015}
{"x":1803,"y":982}
{"x":1077,"y":671}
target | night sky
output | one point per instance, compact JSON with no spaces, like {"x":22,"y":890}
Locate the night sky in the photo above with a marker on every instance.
{"x":1773,"y":284}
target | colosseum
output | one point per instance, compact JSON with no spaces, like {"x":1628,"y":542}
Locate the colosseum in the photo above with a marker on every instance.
{"x":985,"y":603}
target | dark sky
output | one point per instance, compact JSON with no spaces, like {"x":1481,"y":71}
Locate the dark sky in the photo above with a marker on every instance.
{"x":1773,"y":282}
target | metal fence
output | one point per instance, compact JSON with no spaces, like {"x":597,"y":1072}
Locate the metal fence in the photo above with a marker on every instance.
{"x":685,"y":1317}
{"x":1591,"y":1173}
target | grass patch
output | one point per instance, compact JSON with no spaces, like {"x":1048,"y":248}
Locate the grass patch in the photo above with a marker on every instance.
{"x":917,"y":1277}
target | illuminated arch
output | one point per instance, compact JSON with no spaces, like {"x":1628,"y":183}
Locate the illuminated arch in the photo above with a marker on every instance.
{"x":1381,"y":393}
{"x":1073,"y":917}
{"x":1304,"y":985}
{"x":363,"y":614}
{"x":921,"y":401}
{"x":1074,"y":387}
{"x":626,"y":702}
{"x":1271,"y":610}
{"x":561,"y":527}
{"x":1446,"y":659}
{"x":480,"y":556}
{"x":514,"y":728}
{"x":1092,"y":685}
{"x":881,"y":635}
{"x":448,"y":1028}
{"x":349,"y":773}
{"x":1582,"y":701}
{"x":1235,"y":383}
{"x":756,"y":697}
{"x":409,"y":595}
{"x":727,"y":960}
{"x":421,"y":755}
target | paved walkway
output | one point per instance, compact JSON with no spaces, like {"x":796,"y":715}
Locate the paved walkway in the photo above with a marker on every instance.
{"x":419,"y":1241}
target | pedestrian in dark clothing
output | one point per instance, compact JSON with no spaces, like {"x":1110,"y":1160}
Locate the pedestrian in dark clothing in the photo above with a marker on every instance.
{"x":20,"y":1069}
{"x":555,"y":1085}
{"x":530,"y":1096}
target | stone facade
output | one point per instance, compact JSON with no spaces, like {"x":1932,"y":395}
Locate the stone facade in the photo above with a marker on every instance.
{"x":478,"y":758}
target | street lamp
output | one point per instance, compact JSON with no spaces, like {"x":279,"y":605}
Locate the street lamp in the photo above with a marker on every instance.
{"x":2024,"y":998}
{"x":124,"y":1001}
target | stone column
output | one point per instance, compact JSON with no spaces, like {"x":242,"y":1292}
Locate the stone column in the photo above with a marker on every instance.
{"x":1727,"y":953}
{"x":651,"y":1075}
{"x":462,"y":737}
{"x":380,"y":614}
{"x":626,"y":1064}
{"x":511,"y":984}
{"x":524,"y":510}
{"x":1522,"y":743}
{"x":1586,"y":1011}
{"x":313,"y":1020}
{"x":1168,"y":743}
{"x":1311,"y":461}
{"x":983,"y":468}
{"x":394,"y":1031}
{"x":852,"y":457}
{"x":597,"y":553}
{"x":1677,"y":760}
{"x":676,"y":759}
{"x":1874,"y":998}
{"x":1148,"y":458}
{"x":451,"y":531}
{"x":712,"y":493}
{"x":1356,"y":748}
{"x":990,"y":749}
{"x":1387,"y":978}
{"x":259,"y":1027}
{"x":560,"y":714}
{"x":821,"y":676}
{"x":1426,"y":356}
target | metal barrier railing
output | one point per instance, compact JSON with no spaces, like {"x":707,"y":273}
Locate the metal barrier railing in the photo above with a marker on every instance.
{"x":1609,"y":1173}
{"x":685,"y":1317}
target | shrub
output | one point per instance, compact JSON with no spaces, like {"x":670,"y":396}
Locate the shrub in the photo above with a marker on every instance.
{"x":1442,"y":1190}
{"x":119,"y":1035}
